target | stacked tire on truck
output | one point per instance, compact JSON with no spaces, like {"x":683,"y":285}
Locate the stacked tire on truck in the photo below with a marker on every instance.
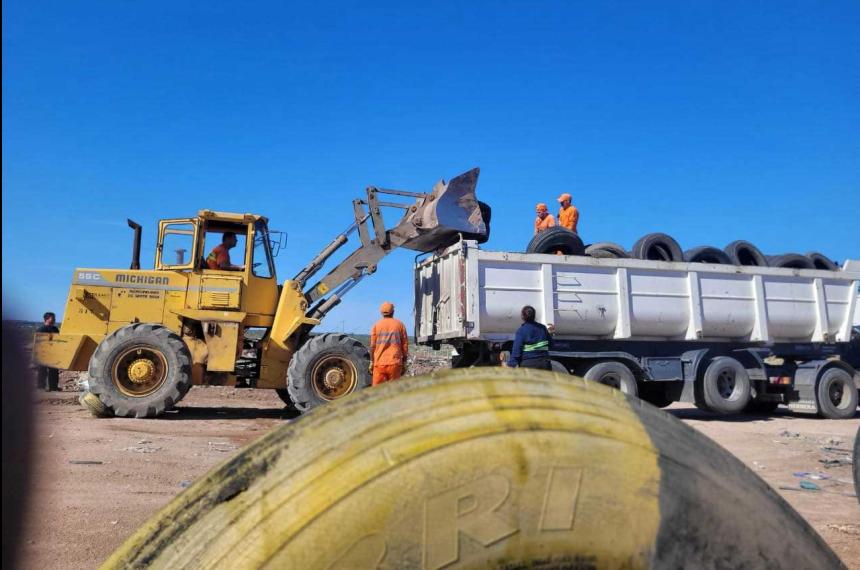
{"x":731,"y":330}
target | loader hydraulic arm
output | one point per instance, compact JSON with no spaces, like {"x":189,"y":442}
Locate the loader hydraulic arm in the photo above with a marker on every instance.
{"x":433,"y":220}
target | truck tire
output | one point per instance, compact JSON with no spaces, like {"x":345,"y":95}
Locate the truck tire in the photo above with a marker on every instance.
{"x":556,"y":239}
{"x":480,"y":468}
{"x":725,"y":386}
{"x":836,"y":394}
{"x":791,"y":261}
{"x":657,"y":247}
{"x":821,"y":261}
{"x":606,"y":250}
{"x":93,"y":405}
{"x":328,"y":367}
{"x":613,"y":374}
{"x":706,"y":254}
{"x":558,"y":367}
{"x":140,"y":370}
{"x":742,"y":252}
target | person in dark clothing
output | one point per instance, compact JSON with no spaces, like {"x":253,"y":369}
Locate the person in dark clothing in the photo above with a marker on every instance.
{"x":48,"y":378}
{"x":531,"y":343}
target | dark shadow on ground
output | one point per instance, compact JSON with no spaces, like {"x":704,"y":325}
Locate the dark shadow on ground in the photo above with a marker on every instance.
{"x":697,"y":414}
{"x":219,"y":413}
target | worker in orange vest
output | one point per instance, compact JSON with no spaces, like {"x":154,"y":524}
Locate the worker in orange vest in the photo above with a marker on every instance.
{"x":389,"y":346}
{"x":544,"y":219}
{"x":568,"y":215}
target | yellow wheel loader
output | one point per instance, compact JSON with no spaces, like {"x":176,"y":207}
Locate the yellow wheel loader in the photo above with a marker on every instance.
{"x":145,"y":336}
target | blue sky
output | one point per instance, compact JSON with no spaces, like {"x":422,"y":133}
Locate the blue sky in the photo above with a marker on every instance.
{"x":711,"y":121}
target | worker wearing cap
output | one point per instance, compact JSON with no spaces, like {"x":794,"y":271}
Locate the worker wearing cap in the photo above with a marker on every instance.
{"x":568,"y":215}
{"x":389,"y":346}
{"x":544,"y":219}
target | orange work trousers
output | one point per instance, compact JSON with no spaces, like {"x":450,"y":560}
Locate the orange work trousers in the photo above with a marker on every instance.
{"x":386,"y":373}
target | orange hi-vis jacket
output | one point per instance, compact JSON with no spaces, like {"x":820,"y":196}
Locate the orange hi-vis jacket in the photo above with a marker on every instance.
{"x":389,"y":342}
{"x":542,"y":224}
{"x":218,"y":257}
{"x":568,"y":218}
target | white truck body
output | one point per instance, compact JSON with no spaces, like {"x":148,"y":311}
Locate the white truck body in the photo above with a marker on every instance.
{"x":471,"y":294}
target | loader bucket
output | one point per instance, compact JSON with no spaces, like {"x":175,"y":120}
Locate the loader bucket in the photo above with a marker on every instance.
{"x":446,"y":213}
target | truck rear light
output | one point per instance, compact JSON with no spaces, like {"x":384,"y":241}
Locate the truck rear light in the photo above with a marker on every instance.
{"x":783,"y":380}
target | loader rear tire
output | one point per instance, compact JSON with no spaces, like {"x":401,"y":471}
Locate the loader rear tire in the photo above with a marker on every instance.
{"x":327,"y":368}
{"x":556,"y":239}
{"x":140,"y":370}
{"x":480,"y":468}
{"x":284,"y":395}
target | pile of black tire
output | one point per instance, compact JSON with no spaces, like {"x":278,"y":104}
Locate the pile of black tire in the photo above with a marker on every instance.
{"x":662,"y":247}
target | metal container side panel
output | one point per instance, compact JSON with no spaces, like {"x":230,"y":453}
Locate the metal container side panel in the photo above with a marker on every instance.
{"x":791,"y":310}
{"x":839,"y":303}
{"x":585,"y":300}
{"x":728,"y":305}
{"x":504,"y":288}
{"x":438,"y":298}
{"x":659,"y":303}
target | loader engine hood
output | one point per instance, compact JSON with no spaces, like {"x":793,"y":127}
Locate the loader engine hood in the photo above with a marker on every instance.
{"x":442,"y":216}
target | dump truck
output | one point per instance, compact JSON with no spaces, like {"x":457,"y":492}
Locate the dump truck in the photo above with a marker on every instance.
{"x":727,"y":338}
{"x":145,"y":336}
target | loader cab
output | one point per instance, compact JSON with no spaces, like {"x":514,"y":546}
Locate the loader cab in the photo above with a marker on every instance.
{"x":184,"y":245}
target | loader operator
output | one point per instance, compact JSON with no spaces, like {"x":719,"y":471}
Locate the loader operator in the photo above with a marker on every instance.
{"x":568,"y":215}
{"x":544,"y":219}
{"x":389,"y":346}
{"x":531,"y":343}
{"x":219,"y":257}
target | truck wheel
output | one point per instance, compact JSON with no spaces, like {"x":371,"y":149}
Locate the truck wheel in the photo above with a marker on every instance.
{"x":556,"y":239}
{"x":328,"y":367}
{"x":480,"y":468}
{"x":706,"y":254}
{"x":606,"y":250}
{"x":657,"y":247}
{"x":558,"y":367}
{"x":726,"y":386}
{"x":836,"y":394}
{"x":742,"y":252}
{"x":613,"y":374}
{"x":140,"y":370}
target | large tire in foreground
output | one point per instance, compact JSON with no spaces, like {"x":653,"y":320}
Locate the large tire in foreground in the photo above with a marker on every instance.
{"x":613,"y":374}
{"x":140,"y":370}
{"x":480,"y":468}
{"x":856,"y":464}
{"x":328,"y":367}
{"x":836,"y":394}
{"x":556,"y":239}
{"x":657,"y":247}
{"x":742,"y":252}
{"x":725,"y":386}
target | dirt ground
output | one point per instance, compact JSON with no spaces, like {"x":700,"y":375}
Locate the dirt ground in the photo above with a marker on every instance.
{"x":97,"y":480}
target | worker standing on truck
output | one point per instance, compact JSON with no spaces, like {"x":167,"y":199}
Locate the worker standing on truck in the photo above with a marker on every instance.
{"x":389,"y":346}
{"x":531,"y":343}
{"x":544,"y":219}
{"x":219,"y":257}
{"x":568,"y":215}
{"x":48,"y":378}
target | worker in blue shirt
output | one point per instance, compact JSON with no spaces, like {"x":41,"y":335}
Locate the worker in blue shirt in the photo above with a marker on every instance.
{"x":531,"y":343}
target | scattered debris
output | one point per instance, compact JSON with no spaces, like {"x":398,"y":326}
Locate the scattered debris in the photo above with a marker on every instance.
{"x":142,"y":449}
{"x":809,"y":485}
{"x":184,"y":484}
{"x":222,"y":446}
{"x":811,"y":475}
{"x":828,"y":462}
{"x":759,"y":466}
{"x":84,"y":462}
{"x":833,"y":442}
{"x":837,"y":450}
{"x":114,"y":522}
{"x":852,"y":529}
{"x":791,"y":434}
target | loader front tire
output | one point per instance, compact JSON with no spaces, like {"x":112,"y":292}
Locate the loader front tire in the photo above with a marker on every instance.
{"x":327,"y":368}
{"x":140,"y":370}
{"x":480,"y":468}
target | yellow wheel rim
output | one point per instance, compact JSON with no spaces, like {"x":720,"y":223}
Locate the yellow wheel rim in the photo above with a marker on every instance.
{"x":139,"y":371}
{"x":334,"y":377}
